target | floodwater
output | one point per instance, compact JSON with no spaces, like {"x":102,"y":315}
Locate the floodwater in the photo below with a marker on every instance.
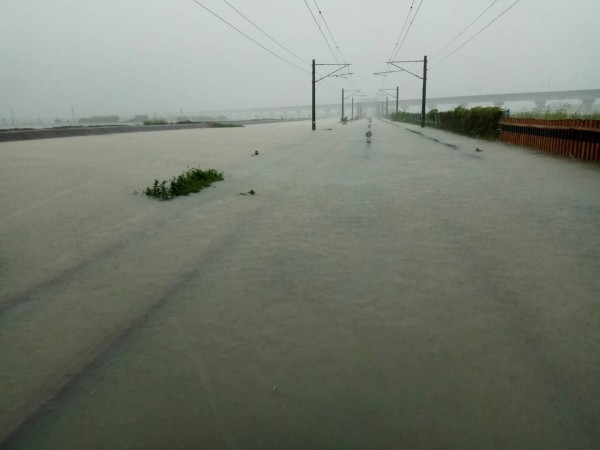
{"x":410,"y":293}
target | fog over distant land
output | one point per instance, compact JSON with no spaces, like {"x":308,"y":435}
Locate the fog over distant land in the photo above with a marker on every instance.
{"x":64,"y":58}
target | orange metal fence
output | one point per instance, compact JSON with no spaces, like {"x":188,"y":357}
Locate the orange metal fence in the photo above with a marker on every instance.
{"x":572,"y":138}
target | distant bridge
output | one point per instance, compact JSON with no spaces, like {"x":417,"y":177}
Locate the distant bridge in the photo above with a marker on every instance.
{"x":587,"y":98}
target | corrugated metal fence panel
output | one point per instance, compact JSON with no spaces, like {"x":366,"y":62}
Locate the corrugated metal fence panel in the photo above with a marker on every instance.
{"x":572,"y":138}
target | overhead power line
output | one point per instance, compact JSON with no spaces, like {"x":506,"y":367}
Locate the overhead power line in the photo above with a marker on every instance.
{"x":402,"y":30}
{"x":265,"y":33}
{"x":402,"y":36}
{"x":335,"y":43}
{"x":248,"y":37}
{"x":407,"y":30}
{"x":463,"y":31}
{"x":321,"y":30}
{"x":475,"y":35}
{"x":329,"y":31}
{"x":326,"y":41}
{"x":397,"y":42}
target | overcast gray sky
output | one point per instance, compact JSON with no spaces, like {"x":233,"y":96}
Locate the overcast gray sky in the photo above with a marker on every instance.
{"x":130,"y":57}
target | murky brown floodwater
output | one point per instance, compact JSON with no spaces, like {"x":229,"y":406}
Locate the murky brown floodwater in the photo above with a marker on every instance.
{"x":399,"y":295}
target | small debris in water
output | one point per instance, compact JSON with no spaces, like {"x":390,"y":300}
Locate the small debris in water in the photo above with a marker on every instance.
{"x":477,"y":149}
{"x":255,"y":153}
{"x":251,"y":192}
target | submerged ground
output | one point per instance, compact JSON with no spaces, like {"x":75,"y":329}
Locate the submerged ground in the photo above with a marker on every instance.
{"x":403,"y":294}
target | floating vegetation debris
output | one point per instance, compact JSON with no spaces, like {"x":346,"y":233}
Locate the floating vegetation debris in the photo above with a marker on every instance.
{"x":191,"y":181}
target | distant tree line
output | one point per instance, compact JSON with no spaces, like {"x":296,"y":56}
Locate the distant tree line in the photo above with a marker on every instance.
{"x":480,"y":122}
{"x":139,"y":118}
{"x":98,"y":120}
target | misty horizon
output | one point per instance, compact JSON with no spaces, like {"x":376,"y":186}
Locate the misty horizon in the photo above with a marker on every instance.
{"x":66,"y":59}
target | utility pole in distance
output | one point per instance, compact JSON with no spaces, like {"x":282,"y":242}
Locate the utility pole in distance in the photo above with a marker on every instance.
{"x":424,"y":78}
{"x":314,"y":111}
{"x":390,"y":95}
{"x":352,"y":93}
{"x":314,"y":84}
{"x":424,"y":92}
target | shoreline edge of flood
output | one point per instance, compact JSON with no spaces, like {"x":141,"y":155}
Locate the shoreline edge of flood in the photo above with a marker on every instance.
{"x":49,"y":133}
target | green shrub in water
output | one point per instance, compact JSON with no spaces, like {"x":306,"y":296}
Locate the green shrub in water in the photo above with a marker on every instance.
{"x":190,"y":181}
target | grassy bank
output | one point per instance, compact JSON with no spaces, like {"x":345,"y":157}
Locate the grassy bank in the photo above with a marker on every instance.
{"x":477,"y":122}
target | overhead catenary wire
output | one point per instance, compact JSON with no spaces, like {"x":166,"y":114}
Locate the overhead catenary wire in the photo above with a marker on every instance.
{"x":265,"y":33}
{"x":321,"y":30}
{"x":272,"y":39}
{"x":329,"y":31}
{"x":475,"y":35}
{"x":464,"y":30}
{"x":402,"y":30}
{"x":326,"y":86}
{"x":335,"y":43}
{"x":408,"y":29}
{"x":248,"y":37}
{"x":396,"y":48}
{"x":325,"y":38}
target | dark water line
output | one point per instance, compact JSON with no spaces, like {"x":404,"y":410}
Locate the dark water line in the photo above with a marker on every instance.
{"x":35,"y":293}
{"x":212,"y":255}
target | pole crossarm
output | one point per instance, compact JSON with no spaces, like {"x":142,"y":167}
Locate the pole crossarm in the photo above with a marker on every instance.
{"x":335,"y":71}
{"x":352,"y":93}
{"x":423,"y":78}
{"x":344,"y":97}
{"x":314,"y":85}
{"x":343,"y":76}
{"x":402,"y":69}
{"x":384,"y":91}
{"x":388,"y":71}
